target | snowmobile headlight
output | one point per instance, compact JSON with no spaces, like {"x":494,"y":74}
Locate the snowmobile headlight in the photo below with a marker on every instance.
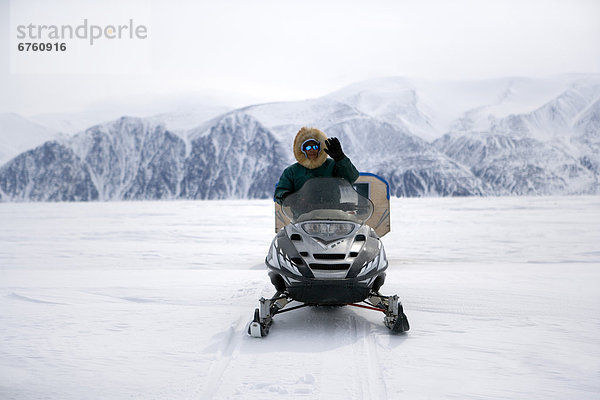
{"x":327,"y":230}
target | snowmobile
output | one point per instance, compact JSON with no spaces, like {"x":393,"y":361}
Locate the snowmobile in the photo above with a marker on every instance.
{"x":327,"y":255}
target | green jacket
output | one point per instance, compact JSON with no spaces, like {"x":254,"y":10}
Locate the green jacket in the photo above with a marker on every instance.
{"x":294,"y":176}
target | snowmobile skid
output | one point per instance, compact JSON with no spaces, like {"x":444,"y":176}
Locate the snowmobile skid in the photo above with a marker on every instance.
{"x":394,"y":319}
{"x":326,"y":254}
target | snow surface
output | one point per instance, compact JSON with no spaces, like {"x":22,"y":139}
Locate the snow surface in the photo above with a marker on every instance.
{"x":150,"y":300}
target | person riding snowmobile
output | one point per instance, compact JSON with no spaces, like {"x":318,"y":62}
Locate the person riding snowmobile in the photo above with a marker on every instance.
{"x":312,"y":162}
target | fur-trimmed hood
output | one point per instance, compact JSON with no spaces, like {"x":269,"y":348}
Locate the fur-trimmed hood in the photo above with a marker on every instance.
{"x":302,"y":136}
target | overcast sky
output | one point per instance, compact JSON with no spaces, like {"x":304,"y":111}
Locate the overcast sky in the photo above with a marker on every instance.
{"x":242,"y":51}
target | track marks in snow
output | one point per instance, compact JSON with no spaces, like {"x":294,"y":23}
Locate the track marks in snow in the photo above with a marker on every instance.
{"x":273,"y":386}
{"x":230,"y":346}
{"x":28,"y":299}
{"x":349,"y":359}
{"x":372,"y":384}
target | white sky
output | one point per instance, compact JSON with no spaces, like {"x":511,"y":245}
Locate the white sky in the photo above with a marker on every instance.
{"x":241,"y":52}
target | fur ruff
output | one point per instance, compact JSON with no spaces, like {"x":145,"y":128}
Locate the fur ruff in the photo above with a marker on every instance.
{"x":302,"y":136}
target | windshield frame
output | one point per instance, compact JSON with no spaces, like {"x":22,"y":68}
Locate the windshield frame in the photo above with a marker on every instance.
{"x":327,"y":199}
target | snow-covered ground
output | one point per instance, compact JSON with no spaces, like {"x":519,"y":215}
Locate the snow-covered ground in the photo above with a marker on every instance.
{"x":150,"y":300}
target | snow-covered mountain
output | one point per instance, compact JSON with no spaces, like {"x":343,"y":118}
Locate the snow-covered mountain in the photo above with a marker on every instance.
{"x":518,"y":165}
{"x":508,"y":136}
{"x":132,"y":158}
{"x":233,"y":157}
{"x":412,"y":166}
{"x":50,"y":172}
{"x":501,"y":136}
{"x":429,"y":109}
{"x":18,"y":134}
{"x":176,"y":113}
{"x":549,"y":149}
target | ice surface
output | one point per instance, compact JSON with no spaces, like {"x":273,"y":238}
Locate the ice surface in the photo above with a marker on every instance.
{"x":151,"y":300}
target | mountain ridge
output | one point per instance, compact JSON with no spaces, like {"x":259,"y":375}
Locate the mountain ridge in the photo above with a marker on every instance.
{"x":524,"y":137}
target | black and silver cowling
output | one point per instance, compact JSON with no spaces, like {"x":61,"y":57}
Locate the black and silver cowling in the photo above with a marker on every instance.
{"x":327,"y":254}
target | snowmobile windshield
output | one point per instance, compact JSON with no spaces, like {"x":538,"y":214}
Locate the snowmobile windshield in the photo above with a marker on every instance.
{"x":328,"y":199}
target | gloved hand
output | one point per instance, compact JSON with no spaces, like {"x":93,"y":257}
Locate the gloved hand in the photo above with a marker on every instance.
{"x":334,"y":149}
